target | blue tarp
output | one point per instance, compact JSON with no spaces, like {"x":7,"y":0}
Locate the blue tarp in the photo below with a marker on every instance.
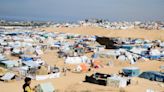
{"x":128,"y":47}
{"x":155,"y":57}
{"x":27,"y":59}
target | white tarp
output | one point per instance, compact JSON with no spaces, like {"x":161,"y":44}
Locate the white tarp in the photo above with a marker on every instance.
{"x":30,"y":63}
{"x":122,"y":58}
{"x":116,"y":81}
{"x":137,"y":50}
{"x":76,"y":60}
{"x":8,"y":76}
{"x":162,"y":44}
{"x":155,"y":52}
{"x":39,"y":52}
{"x":49,"y":76}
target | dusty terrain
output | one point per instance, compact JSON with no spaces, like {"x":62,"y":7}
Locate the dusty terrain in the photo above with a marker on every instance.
{"x":133,"y":33}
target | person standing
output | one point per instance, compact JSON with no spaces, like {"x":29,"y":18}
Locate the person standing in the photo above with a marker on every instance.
{"x":26,"y":86}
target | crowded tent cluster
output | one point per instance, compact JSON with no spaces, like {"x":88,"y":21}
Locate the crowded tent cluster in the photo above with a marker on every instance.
{"x":131,"y":49}
{"x":86,"y":52}
{"x":29,"y":45}
{"x":26,"y":46}
{"x":123,"y":25}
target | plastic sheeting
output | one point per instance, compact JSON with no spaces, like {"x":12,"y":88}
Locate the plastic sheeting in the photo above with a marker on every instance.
{"x":49,"y":76}
{"x":8,"y":76}
{"x":76,"y":60}
{"x":116,"y":82}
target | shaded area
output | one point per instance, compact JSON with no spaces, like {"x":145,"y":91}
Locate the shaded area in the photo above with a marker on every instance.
{"x":109,"y":43}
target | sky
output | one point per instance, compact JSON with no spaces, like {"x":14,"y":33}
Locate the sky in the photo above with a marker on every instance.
{"x":73,"y":10}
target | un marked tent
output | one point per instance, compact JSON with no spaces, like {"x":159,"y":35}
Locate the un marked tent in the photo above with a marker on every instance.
{"x":116,"y":82}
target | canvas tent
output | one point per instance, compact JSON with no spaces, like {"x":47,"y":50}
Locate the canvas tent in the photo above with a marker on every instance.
{"x":116,"y":81}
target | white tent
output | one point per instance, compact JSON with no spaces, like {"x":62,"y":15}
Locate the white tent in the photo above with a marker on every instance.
{"x":137,"y":50}
{"x":76,"y":60}
{"x":122,"y":58}
{"x":155,"y":52}
{"x":8,"y":76}
{"x":116,"y":81}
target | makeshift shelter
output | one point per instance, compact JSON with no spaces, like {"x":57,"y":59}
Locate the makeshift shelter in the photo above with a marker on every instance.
{"x":45,"y":87}
{"x":8,"y":64}
{"x":39,"y":52}
{"x":155,"y":54}
{"x":16,"y":52}
{"x":31,"y":64}
{"x":116,"y":81}
{"x":8,"y":76}
{"x":26,"y":58}
{"x":128,"y":47}
{"x":48,"y":76}
{"x":76,"y":60}
{"x":82,"y":68}
{"x":122,"y":58}
{"x":2,"y":58}
{"x":131,"y":71}
{"x":137,"y":50}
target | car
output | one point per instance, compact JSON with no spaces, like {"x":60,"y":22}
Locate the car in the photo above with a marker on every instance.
{"x":97,"y":78}
{"x":153,"y":76}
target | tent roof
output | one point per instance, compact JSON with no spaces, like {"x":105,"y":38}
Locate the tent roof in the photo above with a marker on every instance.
{"x":8,"y":62}
{"x":8,"y":76}
{"x":31,"y":63}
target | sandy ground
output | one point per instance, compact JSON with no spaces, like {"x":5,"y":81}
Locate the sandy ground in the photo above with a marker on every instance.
{"x":133,"y":33}
{"x":73,"y":82}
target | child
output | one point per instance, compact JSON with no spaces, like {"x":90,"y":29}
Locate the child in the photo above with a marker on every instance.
{"x":26,"y":86}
